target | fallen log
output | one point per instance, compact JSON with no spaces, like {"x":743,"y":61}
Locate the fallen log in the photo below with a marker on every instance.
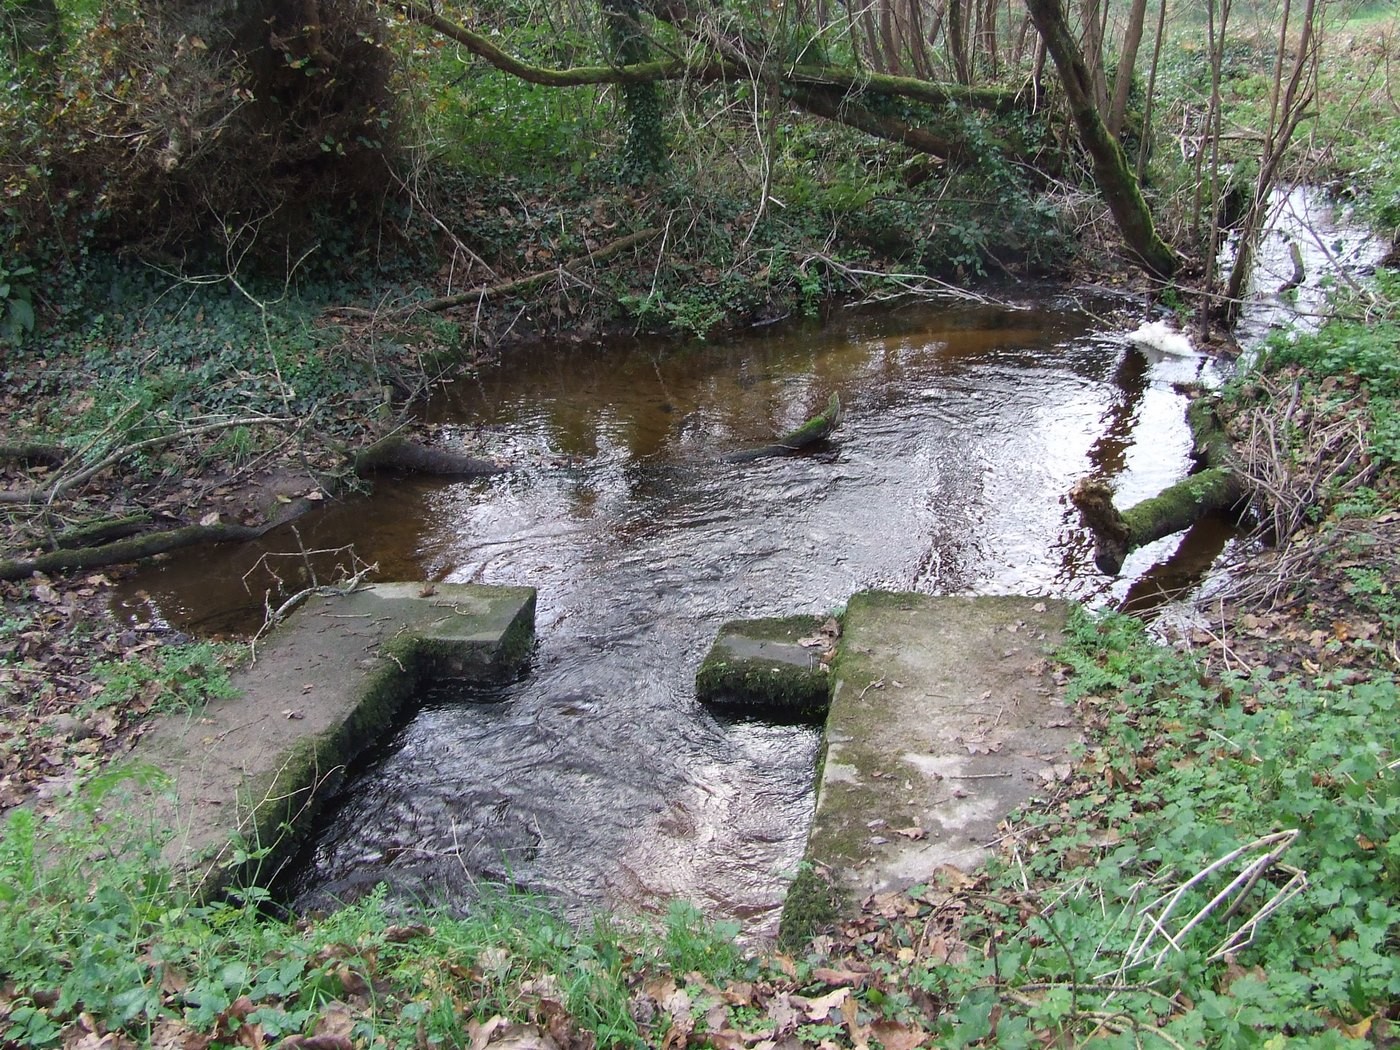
{"x":97,"y":533}
{"x":1215,"y":488}
{"x":32,"y":452}
{"x":816,"y":429}
{"x":133,"y":548}
{"x":402,"y":455}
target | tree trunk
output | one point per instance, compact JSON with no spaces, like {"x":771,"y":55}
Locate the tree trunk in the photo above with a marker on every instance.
{"x":957,"y":42}
{"x":1093,"y":53}
{"x":645,"y":152}
{"x":1127,"y":62}
{"x":1114,"y":177}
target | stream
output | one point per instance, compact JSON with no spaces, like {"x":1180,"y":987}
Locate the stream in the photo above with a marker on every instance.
{"x":598,"y":779}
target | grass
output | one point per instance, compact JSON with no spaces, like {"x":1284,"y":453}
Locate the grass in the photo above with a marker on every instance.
{"x":93,"y":922}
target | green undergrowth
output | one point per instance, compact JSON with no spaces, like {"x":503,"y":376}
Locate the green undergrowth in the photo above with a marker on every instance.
{"x":172,"y":679}
{"x":1186,"y":770}
{"x":1352,"y":363}
{"x":93,"y":924}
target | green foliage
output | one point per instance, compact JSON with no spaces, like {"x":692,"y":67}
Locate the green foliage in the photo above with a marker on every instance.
{"x":92,"y":921}
{"x":16,"y":303}
{"x":174,"y":678}
{"x":1204,"y":768}
{"x":1361,"y":351}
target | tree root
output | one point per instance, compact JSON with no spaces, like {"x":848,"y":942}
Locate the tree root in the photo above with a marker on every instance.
{"x":1217,"y":489}
{"x":396,"y":454}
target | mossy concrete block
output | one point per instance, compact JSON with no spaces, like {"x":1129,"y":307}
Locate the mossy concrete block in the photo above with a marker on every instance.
{"x":247,"y":775}
{"x":944,"y":718}
{"x":759,"y":668}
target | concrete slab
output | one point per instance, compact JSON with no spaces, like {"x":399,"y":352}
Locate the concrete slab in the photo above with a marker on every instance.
{"x":246,"y":775}
{"x":944,"y":718}
{"x":771,"y":668}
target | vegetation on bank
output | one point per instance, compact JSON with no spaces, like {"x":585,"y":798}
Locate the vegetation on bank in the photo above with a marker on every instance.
{"x":163,"y":324}
{"x":1220,"y":866}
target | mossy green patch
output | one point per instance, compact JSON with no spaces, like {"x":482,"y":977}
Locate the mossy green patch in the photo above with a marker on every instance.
{"x":762,"y":668}
{"x":814,"y":902}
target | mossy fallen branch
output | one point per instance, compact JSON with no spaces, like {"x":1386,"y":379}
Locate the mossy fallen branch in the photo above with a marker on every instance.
{"x":133,"y":548}
{"x":1218,"y":488}
{"x":33,"y":452}
{"x":816,"y":429}
{"x":105,"y":530}
{"x":708,"y":67}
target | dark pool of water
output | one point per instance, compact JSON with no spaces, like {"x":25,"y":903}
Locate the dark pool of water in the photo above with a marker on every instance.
{"x":598,"y":778}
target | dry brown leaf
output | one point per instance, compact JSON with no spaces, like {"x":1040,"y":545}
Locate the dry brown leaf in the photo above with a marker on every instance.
{"x":820,"y":1008}
{"x":783,"y":1014}
{"x":402,"y":934}
{"x":840,"y":978}
{"x":677,"y":1007}
{"x":895,"y":1036}
{"x":517,"y":1037}
{"x":176,"y":1035}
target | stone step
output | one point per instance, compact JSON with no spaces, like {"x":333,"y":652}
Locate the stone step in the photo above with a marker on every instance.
{"x":246,"y":775}
{"x":944,"y":718}
{"x":776,"y":669}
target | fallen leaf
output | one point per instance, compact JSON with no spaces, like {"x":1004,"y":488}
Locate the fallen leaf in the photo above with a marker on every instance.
{"x":401,"y":934}
{"x":840,"y":978}
{"x":316,"y":1042}
{"x":895,"y":1036}
{"x":820,"y":1008}
{"x":212,"y":518}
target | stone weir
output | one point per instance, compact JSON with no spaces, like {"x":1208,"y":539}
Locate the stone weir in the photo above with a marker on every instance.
{"x":244,"y":777}
{"x":944,"y":717}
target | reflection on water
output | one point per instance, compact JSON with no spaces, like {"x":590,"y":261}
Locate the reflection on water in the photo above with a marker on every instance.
{"x":598,"y":778}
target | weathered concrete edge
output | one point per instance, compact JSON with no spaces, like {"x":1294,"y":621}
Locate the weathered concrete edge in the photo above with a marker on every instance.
{"x":817,"y":897}
{"x":277,"y":811}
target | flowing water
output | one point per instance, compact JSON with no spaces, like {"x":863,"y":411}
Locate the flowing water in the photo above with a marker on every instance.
{"x":598,"y":778}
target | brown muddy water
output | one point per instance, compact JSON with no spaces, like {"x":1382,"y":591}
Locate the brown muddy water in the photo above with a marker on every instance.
{"x":598,"y":779}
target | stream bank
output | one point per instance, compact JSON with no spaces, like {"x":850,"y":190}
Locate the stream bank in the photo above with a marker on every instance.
{"x":598,"y":779}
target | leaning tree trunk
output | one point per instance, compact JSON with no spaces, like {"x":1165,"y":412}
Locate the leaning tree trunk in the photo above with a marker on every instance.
{"x":1116,"y":181}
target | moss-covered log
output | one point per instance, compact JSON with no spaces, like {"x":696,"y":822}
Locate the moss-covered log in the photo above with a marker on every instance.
{"x":816,"y":429}
{"x":133,"y":548}
{"x":31,"y":452}
{"x":1218,"y":488}
{"x":97,"y":533}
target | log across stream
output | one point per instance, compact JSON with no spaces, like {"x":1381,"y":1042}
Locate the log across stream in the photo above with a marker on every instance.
{"x":598,"y":777}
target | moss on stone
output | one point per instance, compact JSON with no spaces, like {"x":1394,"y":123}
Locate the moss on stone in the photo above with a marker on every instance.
{"x":278,"y":809}
{"x":755,"y":668}
{"x":814,"y":902}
